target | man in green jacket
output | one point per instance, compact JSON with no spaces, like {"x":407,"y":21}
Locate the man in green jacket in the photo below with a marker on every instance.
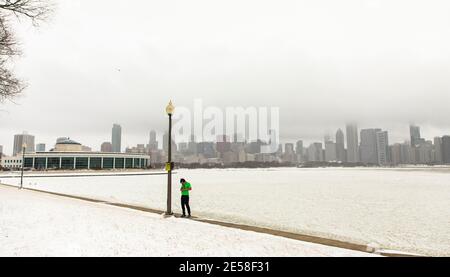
{"x":185,"y":188}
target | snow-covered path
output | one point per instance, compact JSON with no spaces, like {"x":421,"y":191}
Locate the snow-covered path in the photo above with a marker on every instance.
{"x":36,"y":224}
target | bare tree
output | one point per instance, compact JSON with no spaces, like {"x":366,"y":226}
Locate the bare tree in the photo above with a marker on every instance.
{"x":34,"y":10}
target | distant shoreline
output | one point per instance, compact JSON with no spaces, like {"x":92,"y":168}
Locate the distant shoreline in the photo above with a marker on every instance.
{"x":149,"y":172}
{"x":79,"y":173}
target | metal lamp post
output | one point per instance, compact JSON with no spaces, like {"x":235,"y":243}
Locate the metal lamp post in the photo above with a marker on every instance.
{"x":169,"y":110}
{"x":24,"y":147}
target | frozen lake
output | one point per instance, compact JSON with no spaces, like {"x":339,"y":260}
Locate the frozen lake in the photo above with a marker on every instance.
{"x":402,"y":209}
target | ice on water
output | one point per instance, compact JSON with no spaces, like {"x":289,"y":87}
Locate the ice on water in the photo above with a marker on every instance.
{"x":401,"y":209}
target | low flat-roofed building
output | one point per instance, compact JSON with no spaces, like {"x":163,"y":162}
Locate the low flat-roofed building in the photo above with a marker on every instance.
{"x":85,"y":160}
{"x":70,"y":155}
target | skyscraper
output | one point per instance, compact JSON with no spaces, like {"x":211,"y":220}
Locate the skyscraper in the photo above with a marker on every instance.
{"x":330,"y":151}
{"x":19,"y":140}
{"x":238,"y":137}
{"x":424,"y":152}
{"x":206,"y":149}
{"x":280,"y":149}
{"x":340,"y":146}
{"x":299,"y":147}
{"x":315,"y":152}
{"x":383,"y":148}
{"x":106,"y":147}
{"x":407,"y":154}
{"x":446,"y":149}
{"x":396,"y":154}
{"x":153,"y":143}
{"x":368,"y":146}
{"x":253,"y":147}
{"x":352,"y":143}
{"x":289,"y":153}
{"x":414,"y":132}
{"x":40,"y":147}
{"x":289,"y":148}
{"x":152,"y":136}
{"x":166,"y":144}
{"x":183,"y":147}
{"x":438,"y":150}
{"x":116,"y":138}
{"x":192,"y":145}
{"x":223,"y":144}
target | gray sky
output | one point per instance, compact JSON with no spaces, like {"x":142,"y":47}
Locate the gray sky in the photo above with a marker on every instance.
{"x":383,"y":63}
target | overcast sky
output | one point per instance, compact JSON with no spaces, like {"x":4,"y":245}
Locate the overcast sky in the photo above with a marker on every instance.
{"x":382,"y":63}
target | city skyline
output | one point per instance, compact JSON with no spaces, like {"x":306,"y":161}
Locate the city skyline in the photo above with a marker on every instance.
{"x":159,"y":137}
{"x":369,"y":146}
{"x":396,"y":136}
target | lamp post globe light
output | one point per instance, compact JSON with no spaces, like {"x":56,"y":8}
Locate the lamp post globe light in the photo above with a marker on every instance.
{"x":24,"y":147}
{"x":169,"y":110}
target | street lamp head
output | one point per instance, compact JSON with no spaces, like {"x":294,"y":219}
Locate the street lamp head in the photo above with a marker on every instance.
{"x":24,"y":145}
{"x":170,"y":108}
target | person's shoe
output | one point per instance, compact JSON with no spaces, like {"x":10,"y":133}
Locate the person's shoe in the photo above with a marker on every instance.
{"x":183,"y":215}
{"x":189,"y":216}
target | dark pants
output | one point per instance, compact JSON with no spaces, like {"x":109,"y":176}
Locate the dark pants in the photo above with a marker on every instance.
{"x":185,"y":202}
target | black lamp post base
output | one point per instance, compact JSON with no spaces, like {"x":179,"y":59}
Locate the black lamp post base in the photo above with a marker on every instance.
{"x":167,"y":215}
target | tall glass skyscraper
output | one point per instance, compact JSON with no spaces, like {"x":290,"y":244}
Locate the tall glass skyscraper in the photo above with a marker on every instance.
{"x":116,"y":138}
{"x":21,"y":139}
{"x":383,"y":148}
{"x":446,"y":149}
{"x":368,"y":146}
{"x":153,"y":143}
{"x":352,"y":143}
{"x":415,"y":135}
{"x":340,"y":146}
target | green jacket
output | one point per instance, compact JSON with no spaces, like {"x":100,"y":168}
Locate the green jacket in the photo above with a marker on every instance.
{"x":185,"y":188}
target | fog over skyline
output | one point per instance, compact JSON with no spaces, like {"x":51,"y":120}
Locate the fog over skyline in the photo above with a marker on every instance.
{"x":379,"y":63}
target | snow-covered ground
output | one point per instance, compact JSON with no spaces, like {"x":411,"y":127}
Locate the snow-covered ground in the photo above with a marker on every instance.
{"x":404,"y":209}
{"x":36,"y":224}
